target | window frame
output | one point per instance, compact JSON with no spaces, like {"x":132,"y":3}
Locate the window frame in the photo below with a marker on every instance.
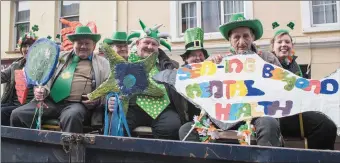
{"x":175,"y":19}
{"x":307,"y":19}
{"x":60,"y":3}
{"x":16,"y":23}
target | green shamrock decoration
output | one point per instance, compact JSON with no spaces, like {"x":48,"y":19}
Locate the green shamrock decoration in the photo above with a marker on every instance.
{"x":291,"y":25}
{"x":275,"y":24}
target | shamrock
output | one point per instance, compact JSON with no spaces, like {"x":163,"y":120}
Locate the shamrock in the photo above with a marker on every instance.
{"x":49,"y":37}
{"x":58,"y":36}
{"x":35,"y":28}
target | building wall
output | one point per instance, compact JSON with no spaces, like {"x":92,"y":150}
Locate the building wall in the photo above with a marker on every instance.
{"x":321,"y":49}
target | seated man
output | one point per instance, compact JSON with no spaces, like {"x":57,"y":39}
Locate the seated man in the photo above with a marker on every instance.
{"x":9,"y":100}
{"x":119,"y":43}
{"x":241,"y":33}
{"x":77,"y":74}
{"x":166,"y":118}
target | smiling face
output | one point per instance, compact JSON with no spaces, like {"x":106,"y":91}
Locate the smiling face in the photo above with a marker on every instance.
{"x":282,"y":45}
{"x":121,"y":49}
{"x":83,"y":47}
{"x":195,"y":56}
{"x":241,"y":39}
{"x":146,"y":47}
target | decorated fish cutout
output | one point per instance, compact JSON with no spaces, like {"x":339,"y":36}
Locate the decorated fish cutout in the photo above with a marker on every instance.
{"x":245,"y":86}
{"x":127,"y":78}
{"x":21,"y":86}
{"x":41,"y":62}
{"x":72,"y":25}
{"x":92,"y":26}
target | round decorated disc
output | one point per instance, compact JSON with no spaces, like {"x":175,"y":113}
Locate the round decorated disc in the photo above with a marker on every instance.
{"x":41,"y":61}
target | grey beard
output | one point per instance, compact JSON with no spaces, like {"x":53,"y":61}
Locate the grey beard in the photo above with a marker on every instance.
{"x":246,"y":52}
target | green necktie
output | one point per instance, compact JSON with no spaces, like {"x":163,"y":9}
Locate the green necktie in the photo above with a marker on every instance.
{"x":62,"y":86}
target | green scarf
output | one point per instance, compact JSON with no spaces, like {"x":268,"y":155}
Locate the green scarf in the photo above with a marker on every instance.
{"x":151,"y":105}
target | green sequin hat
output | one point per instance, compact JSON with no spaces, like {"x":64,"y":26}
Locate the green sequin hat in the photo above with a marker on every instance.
{"x":84,"y":32}
{"x":150,"y":33}
{"x":238,"y":20}
{"x":278,"y":32}
{"x":117,"y":38}
{"x":28,"y":36}
{"x":194,"y":38}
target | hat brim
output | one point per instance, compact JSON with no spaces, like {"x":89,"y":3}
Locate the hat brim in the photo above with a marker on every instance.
{"x":187,"y":52}
{"x":111,"y":42}
{"x":255,"y":25}
{"x":94,"y":37}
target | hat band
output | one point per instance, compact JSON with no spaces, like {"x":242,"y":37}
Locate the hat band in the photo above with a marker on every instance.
{"x":195,"y":43}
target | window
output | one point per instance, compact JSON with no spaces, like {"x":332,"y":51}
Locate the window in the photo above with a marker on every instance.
{"x":320,"y":16}
{"x":69,"y":10}
{"x":22,"y":19}
{"x":208,"y":15}
{"x":324,"y":12}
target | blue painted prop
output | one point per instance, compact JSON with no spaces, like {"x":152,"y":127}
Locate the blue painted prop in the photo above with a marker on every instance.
{"x":42,"y":59}
{"x":41,"y":62}
{"x":118,"y":120}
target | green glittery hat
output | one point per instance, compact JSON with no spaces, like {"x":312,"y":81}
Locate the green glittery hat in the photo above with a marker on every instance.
{"x":194,"y":38}
{"x":151,"y":33}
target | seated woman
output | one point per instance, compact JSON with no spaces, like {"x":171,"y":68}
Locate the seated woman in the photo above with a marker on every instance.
{"x":319,"y":130}
{"x":9,"y":100}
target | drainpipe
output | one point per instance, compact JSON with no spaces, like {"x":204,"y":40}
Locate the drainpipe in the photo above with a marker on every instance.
{"x":127,"y":16}
{"x":115,"y":15}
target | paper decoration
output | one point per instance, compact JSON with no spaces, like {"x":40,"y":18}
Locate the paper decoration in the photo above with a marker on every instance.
{"x":245,"y":86}
{"x":126,"y":78}
{"x":41,"y":62}
{"x":21,"y":86}
{"x":67,"y":44}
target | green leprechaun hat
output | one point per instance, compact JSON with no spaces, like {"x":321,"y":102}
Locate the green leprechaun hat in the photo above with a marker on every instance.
{"x":278,"y":32}
{"x":84,"y":32}
{"x":150,"y":33}
{"x":194,"y":38}
{"x":238,"y":20}
{"x":117,"y":38}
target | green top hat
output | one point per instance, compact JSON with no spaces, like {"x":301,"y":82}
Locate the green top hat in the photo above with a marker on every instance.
{"x":117,"y":38}
{"x":194,"y":38}
{"x":84,"y":32}
{"x":238,"y":20}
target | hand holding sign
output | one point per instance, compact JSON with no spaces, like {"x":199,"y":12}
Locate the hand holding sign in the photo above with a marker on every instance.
{"x":245,"y":86}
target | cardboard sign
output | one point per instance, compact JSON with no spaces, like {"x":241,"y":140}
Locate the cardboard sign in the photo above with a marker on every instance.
{"x":245,"y":86}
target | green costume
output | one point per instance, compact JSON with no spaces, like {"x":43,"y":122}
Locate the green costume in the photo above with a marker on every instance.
{"x":62,"y":85}
{"x":194,"y":38}
{"x":153,"y":106}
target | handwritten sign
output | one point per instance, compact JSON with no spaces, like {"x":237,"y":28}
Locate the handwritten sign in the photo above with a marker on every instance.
{"x":244,"y":86}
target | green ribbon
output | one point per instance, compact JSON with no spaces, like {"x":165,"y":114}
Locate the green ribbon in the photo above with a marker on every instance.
{"x":62,"y":86}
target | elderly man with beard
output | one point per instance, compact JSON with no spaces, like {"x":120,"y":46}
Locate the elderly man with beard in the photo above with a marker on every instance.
{"x":165,"y":116}
{"x":78,"y":73}
{"x":241,"y":33}
{"x":119,"y":43}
